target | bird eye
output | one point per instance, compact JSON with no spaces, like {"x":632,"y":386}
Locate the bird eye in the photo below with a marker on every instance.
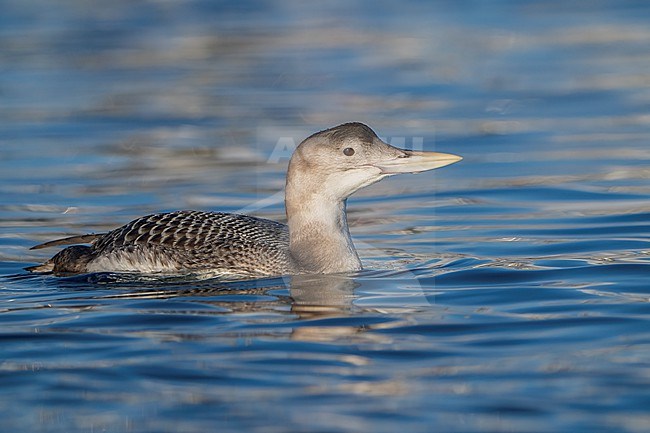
{"x":348,"y":151}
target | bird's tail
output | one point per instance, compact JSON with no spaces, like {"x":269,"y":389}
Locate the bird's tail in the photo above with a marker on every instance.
{"x":43,"y":268}
{"x":75,"y":256}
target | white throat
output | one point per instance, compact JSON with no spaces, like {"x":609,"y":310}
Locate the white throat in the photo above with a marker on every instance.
{"x":320,"y":241}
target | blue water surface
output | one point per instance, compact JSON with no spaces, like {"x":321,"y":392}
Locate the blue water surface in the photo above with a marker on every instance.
{"x":508,"y":292}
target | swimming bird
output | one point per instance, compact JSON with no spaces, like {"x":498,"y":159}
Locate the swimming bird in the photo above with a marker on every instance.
{"x":324,"y":170}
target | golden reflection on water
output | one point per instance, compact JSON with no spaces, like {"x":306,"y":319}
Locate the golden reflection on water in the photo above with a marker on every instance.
{"x":318,"y":305}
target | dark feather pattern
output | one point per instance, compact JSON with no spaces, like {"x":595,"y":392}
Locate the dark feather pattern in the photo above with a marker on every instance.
{"x":185,"y":242}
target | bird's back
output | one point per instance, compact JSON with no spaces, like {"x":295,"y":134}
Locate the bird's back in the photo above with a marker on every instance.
{"x":182,"y":242}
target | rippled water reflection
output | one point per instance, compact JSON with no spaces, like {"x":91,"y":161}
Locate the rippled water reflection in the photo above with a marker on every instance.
{"x":505,"y":293}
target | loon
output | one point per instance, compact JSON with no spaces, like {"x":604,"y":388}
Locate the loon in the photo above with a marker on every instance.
{"x":324,"y":170}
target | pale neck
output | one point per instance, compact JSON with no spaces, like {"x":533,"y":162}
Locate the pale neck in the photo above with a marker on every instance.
{"x":319,"y":239}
